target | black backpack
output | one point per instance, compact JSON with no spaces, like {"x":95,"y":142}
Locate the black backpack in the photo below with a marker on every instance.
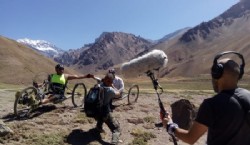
{"x":241,"y":137}
{"x":93,"y":102}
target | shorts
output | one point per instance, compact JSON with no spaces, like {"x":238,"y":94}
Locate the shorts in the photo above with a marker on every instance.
{"x":57,"y":97}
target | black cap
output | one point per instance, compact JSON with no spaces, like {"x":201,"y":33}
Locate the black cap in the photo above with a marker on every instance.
{"x":59,"y":66}
{"x":112,"y":71}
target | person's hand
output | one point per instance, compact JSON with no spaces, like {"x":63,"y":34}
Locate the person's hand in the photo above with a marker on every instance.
{"x":169,"y":124}
{"x":166,"y":120}
{"x":90,"y":76}
{"x":45,"y":81}
{"x":35,"y":84}
{"x":114,"y":87}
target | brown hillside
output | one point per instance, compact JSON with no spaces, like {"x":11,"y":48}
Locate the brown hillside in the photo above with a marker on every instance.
{"x":19,"y":64}
{"x":194,"y":56}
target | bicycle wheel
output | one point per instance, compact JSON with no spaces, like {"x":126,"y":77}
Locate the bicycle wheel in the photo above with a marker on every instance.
{"x":78,"y":94}
{"x":24,"y":100}
{"x":133,"y":94}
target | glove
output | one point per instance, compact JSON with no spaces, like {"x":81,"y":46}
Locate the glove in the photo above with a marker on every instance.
{"x":171,"y":127}
{"x":35,"y":84}
{"x":45,"y":81}
{"x":90,"y":76}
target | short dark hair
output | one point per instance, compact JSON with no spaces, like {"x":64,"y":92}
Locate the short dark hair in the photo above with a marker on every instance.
{"x":232,"y":67}
{"x":112,"y":71}
{"x":110,"y":76}
{"x":108,"y":79}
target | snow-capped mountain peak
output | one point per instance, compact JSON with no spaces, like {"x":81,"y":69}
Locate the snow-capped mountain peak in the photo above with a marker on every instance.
{"x":42,"y":46}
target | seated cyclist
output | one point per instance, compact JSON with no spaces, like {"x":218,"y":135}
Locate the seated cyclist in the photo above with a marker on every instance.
{"x":117,"y":82}
{"x":58,"y":83}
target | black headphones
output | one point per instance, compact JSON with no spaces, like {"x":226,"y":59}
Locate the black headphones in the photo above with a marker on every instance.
{"x":218,"y":68}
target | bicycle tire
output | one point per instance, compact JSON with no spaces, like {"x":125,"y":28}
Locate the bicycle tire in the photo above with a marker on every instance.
{"x":22,"y":108}
{"x":133,"y":94}
{"x":78,"y":94}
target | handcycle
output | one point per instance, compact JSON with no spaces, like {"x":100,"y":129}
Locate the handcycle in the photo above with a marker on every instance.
{"x":131,"y":94}
{"x":27,"y":99}
{"x":79,"y":94}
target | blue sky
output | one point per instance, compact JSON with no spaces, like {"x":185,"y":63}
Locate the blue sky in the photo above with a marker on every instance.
{"x":69,"y":24}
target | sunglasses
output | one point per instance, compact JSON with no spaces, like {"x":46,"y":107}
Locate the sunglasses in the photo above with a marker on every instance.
{"x":60,"y":68}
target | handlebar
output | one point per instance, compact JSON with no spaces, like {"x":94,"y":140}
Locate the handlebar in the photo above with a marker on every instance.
{"x":41,"y":85}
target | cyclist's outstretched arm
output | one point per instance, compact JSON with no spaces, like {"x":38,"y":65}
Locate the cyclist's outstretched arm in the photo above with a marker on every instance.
{"x":72,"y":77}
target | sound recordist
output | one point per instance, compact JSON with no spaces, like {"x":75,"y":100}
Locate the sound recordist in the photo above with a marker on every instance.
{"x":226,"y":115}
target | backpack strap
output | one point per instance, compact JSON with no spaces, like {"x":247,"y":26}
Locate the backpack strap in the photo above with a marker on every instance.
{"x":101,"y":95}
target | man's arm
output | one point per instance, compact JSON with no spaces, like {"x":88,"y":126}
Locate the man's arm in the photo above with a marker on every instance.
{"x":122,"y":86}
{"x":194,"y":133}
{"x":118,"y":84}
{"x":116,"y":92}
{"x":72,"y":77}
{"x":189,"y":136}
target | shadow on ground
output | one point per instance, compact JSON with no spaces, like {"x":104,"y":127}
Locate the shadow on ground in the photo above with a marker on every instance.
{"x":37,"y":112}
{"x":80,"y":137}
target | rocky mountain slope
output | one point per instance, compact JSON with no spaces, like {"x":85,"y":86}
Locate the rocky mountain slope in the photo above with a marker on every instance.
{"x":110,"y":49}
{"x":192,"y":53}
{"x":71,"y":56}
{"x":226,"y":19}
{"x":174,"y":35}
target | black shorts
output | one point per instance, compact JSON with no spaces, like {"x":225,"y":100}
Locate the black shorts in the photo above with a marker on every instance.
{"x":56,"y":96}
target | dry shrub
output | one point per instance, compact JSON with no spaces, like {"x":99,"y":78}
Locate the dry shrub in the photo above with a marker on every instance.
{"x":149,"y":119}
{"x":135,"y":121}
{"x":141,"y":137}
{"x":82,"y":119}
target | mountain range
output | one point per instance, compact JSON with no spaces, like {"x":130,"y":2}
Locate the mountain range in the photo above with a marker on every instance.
{"x":190,"y":51}
{"x":108,"y":50}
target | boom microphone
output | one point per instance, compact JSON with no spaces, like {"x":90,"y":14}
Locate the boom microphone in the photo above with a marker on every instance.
{"x":151,"y":61}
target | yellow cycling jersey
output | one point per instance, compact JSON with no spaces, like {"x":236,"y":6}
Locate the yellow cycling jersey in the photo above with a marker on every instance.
{"x":60,"y":79}
{"x":57,"y":84}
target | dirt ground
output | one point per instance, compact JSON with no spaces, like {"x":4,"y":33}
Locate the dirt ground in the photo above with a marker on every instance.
{"x":63,"y":124}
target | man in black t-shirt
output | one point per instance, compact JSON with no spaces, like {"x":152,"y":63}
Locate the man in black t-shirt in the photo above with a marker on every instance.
{"x":224,"y":115}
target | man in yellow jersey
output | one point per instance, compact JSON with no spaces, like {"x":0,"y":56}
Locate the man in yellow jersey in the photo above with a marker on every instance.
{"x":58,"y":83}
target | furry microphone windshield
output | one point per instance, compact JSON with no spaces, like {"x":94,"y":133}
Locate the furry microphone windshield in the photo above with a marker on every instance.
{"x":152,"y":60}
